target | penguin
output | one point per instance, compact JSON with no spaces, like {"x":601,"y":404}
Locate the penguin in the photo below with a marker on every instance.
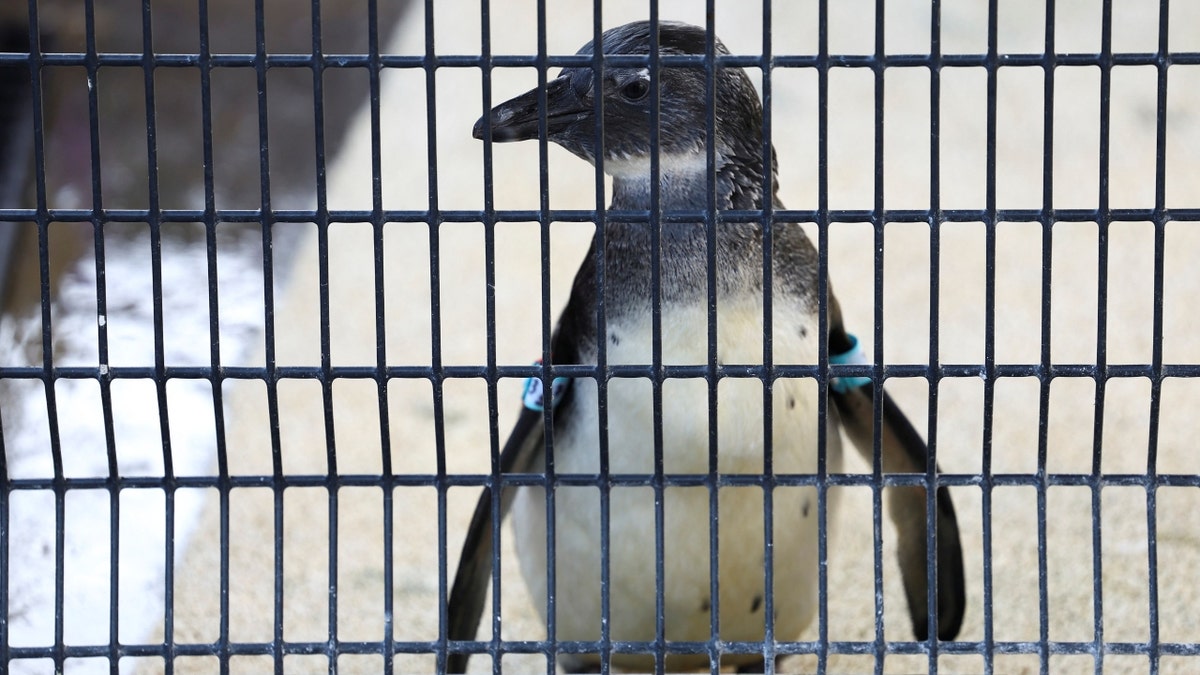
{"x":676,"y":419}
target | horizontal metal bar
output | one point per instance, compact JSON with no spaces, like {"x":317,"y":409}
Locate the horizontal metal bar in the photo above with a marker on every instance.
{"x":725,"y":371}
{"x":596,"y":480}
{"x":617,"y":646}
{"x":284,"y":216}
{"x":359,"y":60}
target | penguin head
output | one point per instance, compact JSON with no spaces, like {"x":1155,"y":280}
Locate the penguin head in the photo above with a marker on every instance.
{"x":570,"y":111}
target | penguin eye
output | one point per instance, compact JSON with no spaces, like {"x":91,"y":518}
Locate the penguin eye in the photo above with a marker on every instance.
{"x":635,"y":90}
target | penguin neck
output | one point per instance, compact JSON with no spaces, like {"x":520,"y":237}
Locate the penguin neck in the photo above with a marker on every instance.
{"x":683,"y":185}
{"x":684,"y":253}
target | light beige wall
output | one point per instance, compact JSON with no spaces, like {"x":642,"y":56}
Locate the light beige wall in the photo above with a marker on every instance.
{"x":1018,"y":269}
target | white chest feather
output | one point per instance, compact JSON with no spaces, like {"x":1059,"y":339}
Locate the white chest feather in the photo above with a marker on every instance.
{"x":685,"y":419}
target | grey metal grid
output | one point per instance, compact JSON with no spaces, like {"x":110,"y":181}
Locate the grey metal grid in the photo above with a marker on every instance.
{"x":32,"y":62}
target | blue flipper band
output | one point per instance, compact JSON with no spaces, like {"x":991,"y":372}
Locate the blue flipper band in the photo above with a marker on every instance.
{"x":854,"y":357}
{"x":534,"y":397}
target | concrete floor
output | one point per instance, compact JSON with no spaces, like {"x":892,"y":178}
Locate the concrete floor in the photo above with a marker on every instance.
{"x":1073,"y":595}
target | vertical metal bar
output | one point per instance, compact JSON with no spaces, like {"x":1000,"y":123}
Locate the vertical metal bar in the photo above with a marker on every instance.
{"x":879,"y":225}
{"x":656,"y":356}
{"x":712,"y":222}
{"x":767,"y":158}
{"x":42,"y":218}
{"x":378,"y":223}
{"x":989,"y":333}
{"x":544,"y":224}
{"x":327,"y":378}
{"x":602,"y":372}
{"x":437,"y":376}
{"x":1103,"y":224}
{"x":1047,"y":214}
{"x":267,"y":222}
{"x":154,"y":222}
{"x":824,"y":298}
{"x":214,"y":332}
{"x":601,"y":224}
{"x":321,"y":216}
{"x":489,"y":233}
{"x":105,"y":382}
{"x":932,"y":376}
{"x":1160,"y":226}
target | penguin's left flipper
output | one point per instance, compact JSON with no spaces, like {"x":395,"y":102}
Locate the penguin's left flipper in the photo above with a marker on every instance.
{"x":522,"y":451}
{"x":904,"y":451}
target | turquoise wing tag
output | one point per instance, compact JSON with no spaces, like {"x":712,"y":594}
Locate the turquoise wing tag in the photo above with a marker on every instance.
{"x":534,"y":397}
{"x":855,"y":356}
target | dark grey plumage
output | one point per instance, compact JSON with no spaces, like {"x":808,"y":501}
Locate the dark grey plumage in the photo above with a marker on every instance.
{"x":683,"y":184}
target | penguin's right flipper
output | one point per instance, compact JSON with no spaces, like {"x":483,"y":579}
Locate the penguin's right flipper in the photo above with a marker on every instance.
{"x":521,"y":452}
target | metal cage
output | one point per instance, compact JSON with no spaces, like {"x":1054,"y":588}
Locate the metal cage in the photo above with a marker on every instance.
{"x":246,"y":188}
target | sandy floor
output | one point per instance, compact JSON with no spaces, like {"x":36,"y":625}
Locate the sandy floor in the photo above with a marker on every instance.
{"x":1076,"y":279}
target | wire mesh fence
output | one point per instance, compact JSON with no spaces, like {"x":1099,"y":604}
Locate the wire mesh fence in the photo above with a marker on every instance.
{"x":270,"y":309}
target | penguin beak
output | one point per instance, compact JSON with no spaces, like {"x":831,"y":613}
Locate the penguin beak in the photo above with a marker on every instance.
{"x":517,"y":119}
